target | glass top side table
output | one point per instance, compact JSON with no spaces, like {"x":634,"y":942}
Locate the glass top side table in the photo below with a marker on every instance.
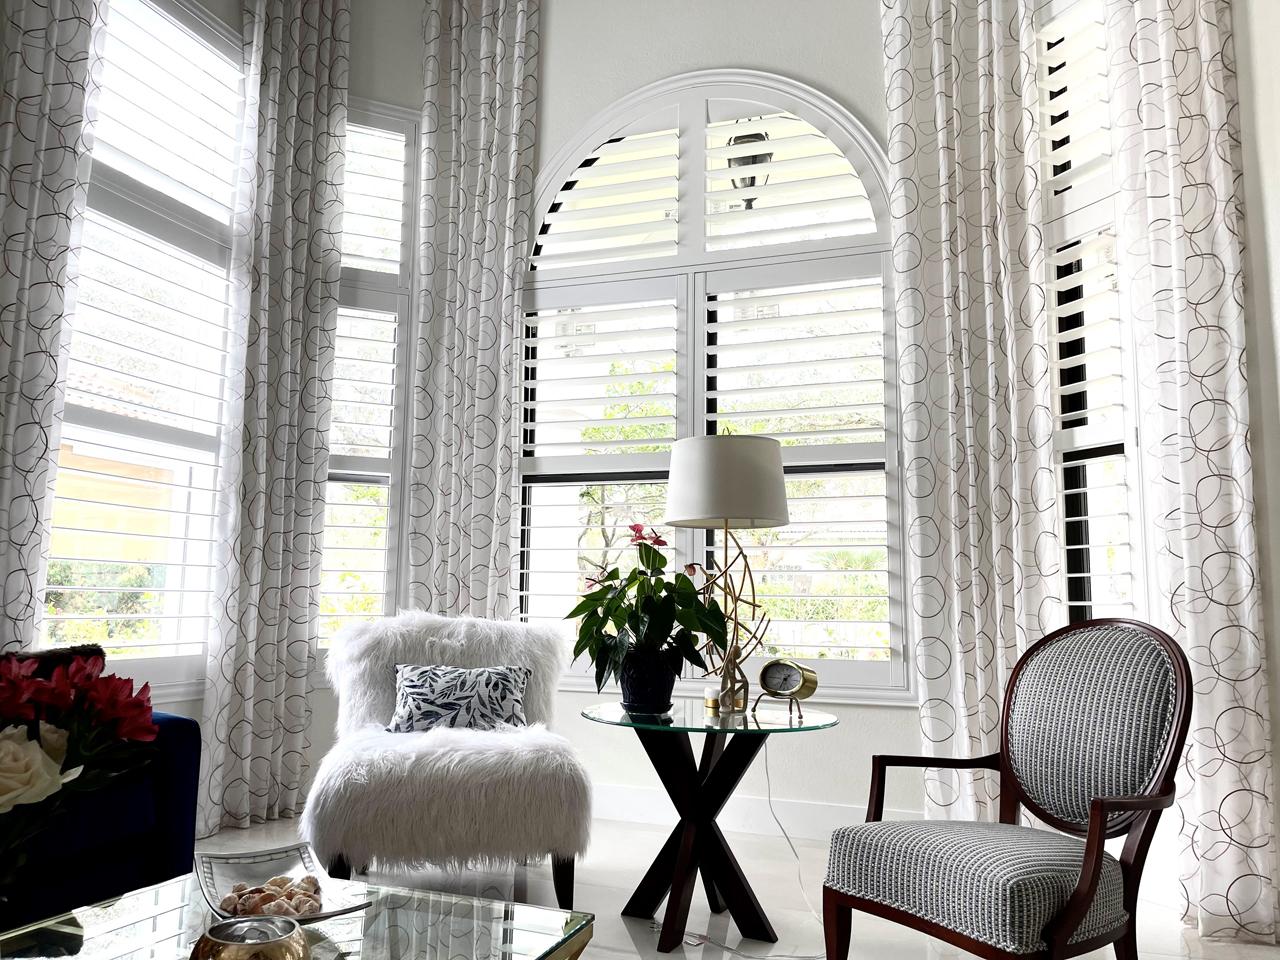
{"x":699,"y":789}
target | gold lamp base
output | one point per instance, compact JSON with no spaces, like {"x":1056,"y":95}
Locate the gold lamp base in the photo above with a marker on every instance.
{"x":745,"y":622}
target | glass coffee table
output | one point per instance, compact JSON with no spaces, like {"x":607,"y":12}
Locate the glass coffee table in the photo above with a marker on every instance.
{"x":699,"y":789}
{"x":163,"y":922}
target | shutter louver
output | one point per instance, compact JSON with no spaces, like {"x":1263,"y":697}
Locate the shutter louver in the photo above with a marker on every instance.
{"x":1072,"y":79}
{"x":803,"y":364}
{"x":620,"y":204}
{"x":600,"y":380}
{"x":355,"y":564}
{"x":777,"y":179}
{"x":373,"y":189}
{"x":168,"y":114}
{"x":364,"y":384}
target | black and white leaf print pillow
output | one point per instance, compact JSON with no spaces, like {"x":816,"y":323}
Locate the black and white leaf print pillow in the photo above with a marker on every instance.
{"x":436,"y":696}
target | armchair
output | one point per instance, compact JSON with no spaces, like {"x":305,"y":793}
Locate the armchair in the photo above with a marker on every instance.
{"x":446,"y":797}
{"x":1095,"y":718}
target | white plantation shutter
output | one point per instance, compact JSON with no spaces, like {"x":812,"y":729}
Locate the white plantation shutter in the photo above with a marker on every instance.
{"x":356,"y":569}
{"x":374,"y":198}
{"x":722,"y":277}
{"x":600,"y":379}
{"x":620,"y":204}
{"x":804,"y":364}
{"x":1094,"y":416}
{"x":364,"y":384}
{"x":777,"y":179}
{"x":568,"y":531}
{"x":169,"y":111}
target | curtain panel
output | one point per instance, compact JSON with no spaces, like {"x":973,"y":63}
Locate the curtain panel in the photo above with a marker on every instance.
{"x":983,"y":569}
{"x":477,"y":181}
{"x":50,"y":54}
{"x":286,"y":265}
{"x":1177,"y":142}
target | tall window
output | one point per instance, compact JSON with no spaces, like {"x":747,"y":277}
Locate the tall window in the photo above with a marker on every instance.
{"x":131,"y":550}
{"x":1095,"y":421}
{"x":712,"y":261}
{"x":365,"y":462}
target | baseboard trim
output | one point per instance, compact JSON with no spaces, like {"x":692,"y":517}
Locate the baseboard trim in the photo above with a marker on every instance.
{"x":803,"y":819}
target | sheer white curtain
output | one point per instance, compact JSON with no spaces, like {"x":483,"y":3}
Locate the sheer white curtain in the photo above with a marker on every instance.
{"x":50,"y":58}
{"x":286,"y":264}
{"x":983,"y":557}
{"x":477,"y":197}
{"x":1175,"y":112}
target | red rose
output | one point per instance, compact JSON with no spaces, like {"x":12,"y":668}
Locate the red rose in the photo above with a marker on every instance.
{"x":113,"y":701}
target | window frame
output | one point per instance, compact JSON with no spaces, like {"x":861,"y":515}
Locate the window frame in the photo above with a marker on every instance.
{"x":1079,"y":216}
{"x":115,"y":194}
{"x":688,"y":277}
{"x":363,"y":289}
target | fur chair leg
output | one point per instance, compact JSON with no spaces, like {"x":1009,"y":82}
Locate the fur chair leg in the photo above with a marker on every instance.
{"x":339,"y":868}
{"x":837,"y":925}
{"x":562,"y":879}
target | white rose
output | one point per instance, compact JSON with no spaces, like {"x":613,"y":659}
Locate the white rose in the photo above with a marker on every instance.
{"x":27,"y":773}
{"x":53,"y":740}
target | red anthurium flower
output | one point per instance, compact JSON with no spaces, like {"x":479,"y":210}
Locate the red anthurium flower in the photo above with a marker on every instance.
{"x":15,"y":700}
{"x":113,"y":700}
{"x":57,"y":692}
{"x":657,"y":541}
{"x":637,"y":529}
{"x":84,"y":670}
{"x":16,"y":668}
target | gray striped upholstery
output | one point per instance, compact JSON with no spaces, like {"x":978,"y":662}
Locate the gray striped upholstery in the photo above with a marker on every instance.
{"x":1090,"y":717}
{"x":997,"y":883}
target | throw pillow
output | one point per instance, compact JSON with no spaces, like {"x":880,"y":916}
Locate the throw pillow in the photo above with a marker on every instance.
{"x":437,"y":696}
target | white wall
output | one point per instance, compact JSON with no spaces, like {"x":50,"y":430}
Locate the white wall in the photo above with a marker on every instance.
{"x":1257,"y":24}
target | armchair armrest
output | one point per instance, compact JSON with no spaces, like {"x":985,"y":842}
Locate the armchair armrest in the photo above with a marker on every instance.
{"x":1101,"y":809}
{"x":880,"y":762}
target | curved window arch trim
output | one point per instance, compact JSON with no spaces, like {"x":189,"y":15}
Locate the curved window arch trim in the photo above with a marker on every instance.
{"x":678,"y":97}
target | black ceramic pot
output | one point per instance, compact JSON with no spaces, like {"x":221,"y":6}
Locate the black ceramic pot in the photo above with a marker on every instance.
{"x":647,"y":682}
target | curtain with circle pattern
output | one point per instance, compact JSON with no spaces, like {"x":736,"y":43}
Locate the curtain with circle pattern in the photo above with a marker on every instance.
{"x":1175,"y":116}
{"x":477,"y":184}
{"x":50,"y":58}
{"x":286,"y":265}
{"x":983,"y":567}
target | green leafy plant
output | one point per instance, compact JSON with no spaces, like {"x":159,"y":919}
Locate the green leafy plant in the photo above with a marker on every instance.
{"x":646,"y":612}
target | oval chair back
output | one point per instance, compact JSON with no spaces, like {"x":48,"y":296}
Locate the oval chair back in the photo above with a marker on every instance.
{"x":1095,"y":709}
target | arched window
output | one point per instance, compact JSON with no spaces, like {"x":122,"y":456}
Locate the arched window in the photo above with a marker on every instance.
{"x":710,"y":258}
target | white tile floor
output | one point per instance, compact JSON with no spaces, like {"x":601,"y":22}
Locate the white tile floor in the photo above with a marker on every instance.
{"x":620,"y":852}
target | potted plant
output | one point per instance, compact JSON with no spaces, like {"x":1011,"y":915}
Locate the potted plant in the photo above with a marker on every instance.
{"x":641,"y":627}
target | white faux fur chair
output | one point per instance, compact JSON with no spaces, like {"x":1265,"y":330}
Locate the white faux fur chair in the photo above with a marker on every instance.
{"x":447,"y":797}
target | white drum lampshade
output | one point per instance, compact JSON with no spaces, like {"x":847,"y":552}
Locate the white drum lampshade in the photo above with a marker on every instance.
{"x":726,"y":481}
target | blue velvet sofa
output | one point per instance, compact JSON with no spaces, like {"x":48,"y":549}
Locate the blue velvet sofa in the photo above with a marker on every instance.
{"x":137,"y":830}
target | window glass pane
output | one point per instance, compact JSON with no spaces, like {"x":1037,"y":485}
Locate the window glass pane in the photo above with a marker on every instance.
{"x":1099,"y":550}
{"x":169,"y":111}
{"x":823,"y":579}
{"x":373,"y":218}
{"x":354,"y":572}
{"x":803,"y":364}
{"x":131,"y":549}
{"x":570,"y":530}
{"x":619,"y":205}
{"x":364,"y":384}
{"x":600,"y":380}
{"x":777,"y":179}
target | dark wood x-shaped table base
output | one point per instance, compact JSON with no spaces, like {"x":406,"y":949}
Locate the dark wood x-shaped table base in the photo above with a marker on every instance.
{"x":699,"y":791}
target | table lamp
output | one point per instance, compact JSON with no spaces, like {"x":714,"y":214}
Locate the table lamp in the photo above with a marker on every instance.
{"x":729,"y":483}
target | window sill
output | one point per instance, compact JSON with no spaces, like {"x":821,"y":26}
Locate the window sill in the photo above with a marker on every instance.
{"x":833,"y":693}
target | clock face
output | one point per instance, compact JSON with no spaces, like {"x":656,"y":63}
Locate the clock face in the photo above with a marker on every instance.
{"x":780,"y":677}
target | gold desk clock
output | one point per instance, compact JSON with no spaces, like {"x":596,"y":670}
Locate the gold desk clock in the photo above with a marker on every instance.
{"x":787,"y":680}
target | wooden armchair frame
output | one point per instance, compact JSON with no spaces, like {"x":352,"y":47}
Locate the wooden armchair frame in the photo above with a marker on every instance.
{"x":1133,"y":817}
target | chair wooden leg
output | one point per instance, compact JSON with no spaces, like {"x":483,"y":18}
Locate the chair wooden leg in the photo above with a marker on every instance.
{"x":562,"y":880}
{"x":339,"y":868}
{"x":837,"y":925}
{"x":1127,"y":946}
